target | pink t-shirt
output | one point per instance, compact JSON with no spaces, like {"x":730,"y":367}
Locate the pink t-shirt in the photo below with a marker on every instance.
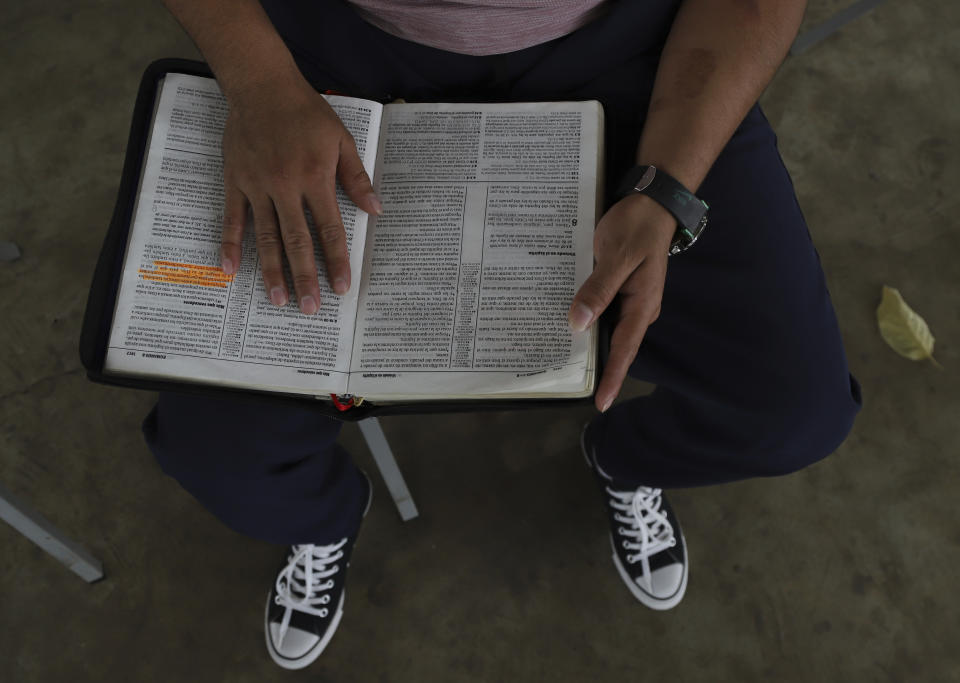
{"x":479,"y":27}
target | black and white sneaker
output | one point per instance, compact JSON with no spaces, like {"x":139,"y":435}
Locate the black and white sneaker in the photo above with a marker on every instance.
{"x":648,"y":545}
{"x":305,"y":605}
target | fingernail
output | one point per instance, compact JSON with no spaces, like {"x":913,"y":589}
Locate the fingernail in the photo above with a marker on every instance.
{"x":227,"y":266}
{"x":340,"y":286}
{"x":606,"y":405}
{"x":580,"y":317}
{"x":377,"y":206}
{"x":278,"y":297}
{"x":308,"y":305}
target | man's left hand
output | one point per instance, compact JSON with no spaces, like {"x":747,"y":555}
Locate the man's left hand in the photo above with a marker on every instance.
{"x":630,"y":248}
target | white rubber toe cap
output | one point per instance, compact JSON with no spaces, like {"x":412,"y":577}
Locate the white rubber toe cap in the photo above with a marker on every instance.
{"x":666,"y":581}
{"x":296,"y":643}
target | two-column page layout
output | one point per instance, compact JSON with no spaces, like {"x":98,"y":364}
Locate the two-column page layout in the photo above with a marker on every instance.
{"x":460,"y":289}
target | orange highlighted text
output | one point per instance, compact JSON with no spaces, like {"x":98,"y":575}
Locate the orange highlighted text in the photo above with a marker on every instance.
{"x":186,"y":274}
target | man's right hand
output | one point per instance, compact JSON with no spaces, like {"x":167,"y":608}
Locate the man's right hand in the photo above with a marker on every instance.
{"x":283,"y":149}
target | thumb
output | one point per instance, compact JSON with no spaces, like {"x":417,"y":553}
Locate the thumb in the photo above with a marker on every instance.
{"x":596,"y":294}
{"x":354,"y":179}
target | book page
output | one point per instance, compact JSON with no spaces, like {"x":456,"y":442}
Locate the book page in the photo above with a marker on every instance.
{"x":178,"y":315}
{"x":485,"y":237}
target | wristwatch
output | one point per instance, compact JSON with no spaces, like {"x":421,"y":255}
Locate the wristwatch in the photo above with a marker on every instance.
{"x":689,"y":210}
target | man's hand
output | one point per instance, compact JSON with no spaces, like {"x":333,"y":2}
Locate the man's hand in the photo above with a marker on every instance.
{"x":283,"y":149}
{"x":630,"y":248}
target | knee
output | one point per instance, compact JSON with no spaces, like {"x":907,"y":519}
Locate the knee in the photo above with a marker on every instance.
{"x":195,"y":437}
{"x":188,"y":442}
{"x":176,"y":450}
{"x":807,"y":423}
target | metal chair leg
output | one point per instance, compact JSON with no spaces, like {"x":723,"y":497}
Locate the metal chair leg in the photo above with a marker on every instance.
{"x":377,"y":443}
{"x":38,"y":529}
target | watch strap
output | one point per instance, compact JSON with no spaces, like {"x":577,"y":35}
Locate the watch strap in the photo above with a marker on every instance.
{"x":666,"y":191}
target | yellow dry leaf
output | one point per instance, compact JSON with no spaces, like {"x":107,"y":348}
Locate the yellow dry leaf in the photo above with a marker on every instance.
{"x":905,"y":331}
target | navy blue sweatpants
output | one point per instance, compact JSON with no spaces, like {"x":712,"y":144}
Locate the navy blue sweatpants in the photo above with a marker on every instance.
{"x":750,"y":371}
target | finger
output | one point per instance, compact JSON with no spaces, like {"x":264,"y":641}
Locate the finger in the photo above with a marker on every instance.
{"x":354,"y":179}
{"x":333,"y":239}
{"x":624,"y":344}
{"x":597,"y":292}
{"x":234,"y":221}
{"x":270,"y":248}
{"x":298,"y":246}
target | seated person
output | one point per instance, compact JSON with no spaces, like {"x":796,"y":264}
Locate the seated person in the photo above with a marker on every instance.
{"x":737,"y":331}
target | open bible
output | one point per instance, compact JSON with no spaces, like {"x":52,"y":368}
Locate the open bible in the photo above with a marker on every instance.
{"x":460,"y":289}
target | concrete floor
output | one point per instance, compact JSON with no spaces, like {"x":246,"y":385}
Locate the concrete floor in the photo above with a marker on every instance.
{"x":845,"y":571}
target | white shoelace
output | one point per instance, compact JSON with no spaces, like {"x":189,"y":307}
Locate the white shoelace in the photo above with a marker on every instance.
{"x":305,"y":572}
{"x":645,"y":522}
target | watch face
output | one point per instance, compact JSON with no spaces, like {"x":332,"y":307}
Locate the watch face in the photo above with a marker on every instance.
{"x":684,"y":238}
